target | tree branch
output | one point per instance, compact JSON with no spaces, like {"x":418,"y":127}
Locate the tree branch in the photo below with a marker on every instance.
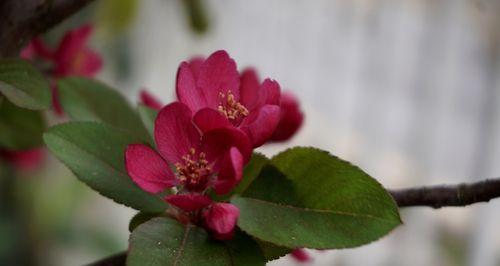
{"x":448,"y":195}
{"x":21,"y":20}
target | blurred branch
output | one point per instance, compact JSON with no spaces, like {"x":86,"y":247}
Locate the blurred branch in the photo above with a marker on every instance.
{"x":24,"y":19}
{"x":448,"y":195}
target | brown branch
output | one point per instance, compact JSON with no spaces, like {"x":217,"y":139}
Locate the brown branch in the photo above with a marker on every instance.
{"x":448,"y":195}
{"x":21,"y":20}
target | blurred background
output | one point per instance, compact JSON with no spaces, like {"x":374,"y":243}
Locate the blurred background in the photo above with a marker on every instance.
{"x":408,"y":90}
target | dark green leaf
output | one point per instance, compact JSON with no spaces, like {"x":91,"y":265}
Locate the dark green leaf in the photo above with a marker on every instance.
{"x":20,"y":128}
{"x":95,"y":154}
{"x":89,"y":100}
{"x":164,"y":241}
{"x":23,"y":85}
{"x":148,"y":117}
{"x":325,"y":203}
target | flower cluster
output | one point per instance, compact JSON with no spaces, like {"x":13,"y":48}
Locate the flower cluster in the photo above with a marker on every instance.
{"x":72,"y":57}
{"x":205,"y":138}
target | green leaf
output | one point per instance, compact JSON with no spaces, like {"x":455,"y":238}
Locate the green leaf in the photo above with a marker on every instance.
{"x":89,"y":100}
{"x":20,"y":128}
{"x":148,"y":117}
{"x":23,"y":85}
{"x":164,"y":241}
{"x":140,"y":218}
{"x":326,"y":203}
{"x":95,"y":154}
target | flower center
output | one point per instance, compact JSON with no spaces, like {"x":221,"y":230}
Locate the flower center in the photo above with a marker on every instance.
{"x":194,"y":171}
{"x":229,"y":107}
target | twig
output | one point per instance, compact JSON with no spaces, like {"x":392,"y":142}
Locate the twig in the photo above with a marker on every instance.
{"x":21,"y":20}
{"x":448,"y":195}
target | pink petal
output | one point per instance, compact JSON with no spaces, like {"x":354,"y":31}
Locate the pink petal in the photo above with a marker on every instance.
{"x":301,"y":255}
{"x":86,"y":63}
{"x":221,"y":219}
{"x":147,"y":169}
{"x":189,"y":202}
{"x":175,"y":133}
{"x":249,"y":87}
{"x":149,"y":100}
{"x":269,"y":93}
{"x":218,"y":74}
{"x":230,"y":173}
{"x":195,"y":64}
{"x":207,"y":119}
{"x":71,"y":44}
{"x":36,"y":48}
{"x":187,"y":91}
{"x":216,"y":143}
{"x":291,"y":118}
{"x":261,"y":124}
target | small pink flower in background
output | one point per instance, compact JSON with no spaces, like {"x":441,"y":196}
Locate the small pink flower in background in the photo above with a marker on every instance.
{"x":149,"y":100}
{"x":301,"y":255}
{"x":72,"y":57}
{"x":25,"y":160}
{"x":291,"y":118}
{"x":219,"y":97}
{"x":201,"y":162}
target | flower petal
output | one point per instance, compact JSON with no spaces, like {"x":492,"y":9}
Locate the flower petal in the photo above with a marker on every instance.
{"x":147,"y":169}
{"x":260,"y":124}
{"x":230,"y":173}
{"x":24,"y":160}
{"x":221,"y":219}
{"x":291,"y":118}
{"x":301,"y":255}
{"x":249,"y":87}
{"x":195,"y":64}
{"x":72,"y":43}
{"x":149,"y":100}
{"x":36,"y":48}
{"x":218,"y":74}
{"x":187,"y":91}
{"x":87,"y":63}
{"x":216,"y":143}
{"x":189,"y":202}
{"x":269,"y":93}
{"x":175,"y":133}
{"x":207,"y":119}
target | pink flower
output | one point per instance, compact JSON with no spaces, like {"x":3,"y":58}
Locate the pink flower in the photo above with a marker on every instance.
{"x":301,"y":255}
{"x":25,"y":160}
{"x":72,"y":57}
{"x":219,"y":97}
{"x":291,"y":118}
{"x":221,"y":219}
{"x":201,"y":161}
